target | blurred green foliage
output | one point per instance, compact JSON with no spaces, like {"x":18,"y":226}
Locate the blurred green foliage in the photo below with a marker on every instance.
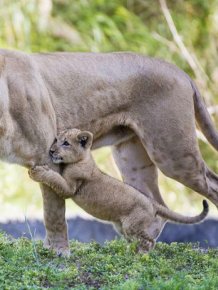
{"x":101,"y":25}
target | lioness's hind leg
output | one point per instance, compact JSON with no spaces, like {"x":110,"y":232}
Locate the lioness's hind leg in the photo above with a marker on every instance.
{"x":118,"y":228}
{"x":136,"y":167}
{"x":139,"y":171}
{"x":171,"y":142}
{"x":186,"y":165}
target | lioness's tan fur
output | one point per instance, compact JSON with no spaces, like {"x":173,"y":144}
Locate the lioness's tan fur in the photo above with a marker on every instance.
{"x":142,"y":106}
{"x":100,"y":195}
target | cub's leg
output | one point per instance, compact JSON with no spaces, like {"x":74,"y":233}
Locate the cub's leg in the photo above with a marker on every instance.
{"x":134,"y":227}
{"x":54,"y":180}
{"x":145,"y":242}
{"x":139,"y":171}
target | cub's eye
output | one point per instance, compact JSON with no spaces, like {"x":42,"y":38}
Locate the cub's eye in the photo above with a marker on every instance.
{"x":66,"y":143}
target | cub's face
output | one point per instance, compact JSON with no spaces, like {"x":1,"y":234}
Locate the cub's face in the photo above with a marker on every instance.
{"x":71,"y":146}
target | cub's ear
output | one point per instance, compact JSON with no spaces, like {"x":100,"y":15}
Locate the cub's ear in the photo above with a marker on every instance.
{"x":85,"y":138}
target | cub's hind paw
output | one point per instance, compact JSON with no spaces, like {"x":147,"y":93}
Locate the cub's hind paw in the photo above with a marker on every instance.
{"x":145,"y":246}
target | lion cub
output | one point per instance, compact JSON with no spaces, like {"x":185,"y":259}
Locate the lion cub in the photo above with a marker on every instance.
{"x":100,"y":195}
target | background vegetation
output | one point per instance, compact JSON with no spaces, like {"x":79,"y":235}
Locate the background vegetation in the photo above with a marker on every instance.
{"x":189,"y":39}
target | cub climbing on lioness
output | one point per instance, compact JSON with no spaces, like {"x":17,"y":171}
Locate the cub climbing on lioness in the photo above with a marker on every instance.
{"x":100,"y":195}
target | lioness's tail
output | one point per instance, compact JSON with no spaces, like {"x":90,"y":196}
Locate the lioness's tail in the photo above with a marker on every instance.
{"x":178,"y":218}
{"x":203,"y":118}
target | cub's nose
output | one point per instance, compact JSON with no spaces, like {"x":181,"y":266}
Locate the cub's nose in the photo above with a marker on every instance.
{"x":51,"y":152}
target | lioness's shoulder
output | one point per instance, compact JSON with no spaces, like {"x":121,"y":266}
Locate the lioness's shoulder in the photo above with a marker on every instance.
{"x":15,"y":57}
{"x":16,"y":63}
{"x":13,"y":53}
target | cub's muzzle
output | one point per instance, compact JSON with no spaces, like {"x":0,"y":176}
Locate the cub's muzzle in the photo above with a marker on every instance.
{"x":55,"y":157}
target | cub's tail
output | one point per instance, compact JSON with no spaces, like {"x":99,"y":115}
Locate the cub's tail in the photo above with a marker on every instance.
{"x":178,"y":218}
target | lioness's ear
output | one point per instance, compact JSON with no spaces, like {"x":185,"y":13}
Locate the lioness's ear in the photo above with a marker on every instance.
{"x":85,"y":139}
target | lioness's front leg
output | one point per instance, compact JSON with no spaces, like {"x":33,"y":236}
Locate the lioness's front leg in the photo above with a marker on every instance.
{"x":55,"y":223}
{"x":54,"y":180}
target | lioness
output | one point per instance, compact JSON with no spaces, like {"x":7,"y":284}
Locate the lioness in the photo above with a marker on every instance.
{"x":144,"y":107}
{"x":100,"y":195}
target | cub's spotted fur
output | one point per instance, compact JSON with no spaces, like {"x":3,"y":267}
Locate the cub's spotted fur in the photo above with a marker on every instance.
{"x":100,"y":195}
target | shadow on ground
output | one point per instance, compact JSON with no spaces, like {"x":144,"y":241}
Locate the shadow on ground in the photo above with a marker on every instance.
{"x":206,"y":233}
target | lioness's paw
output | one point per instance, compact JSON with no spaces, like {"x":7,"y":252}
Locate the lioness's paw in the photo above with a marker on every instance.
{"x":63,"y":252}
{"x":60,"y":251}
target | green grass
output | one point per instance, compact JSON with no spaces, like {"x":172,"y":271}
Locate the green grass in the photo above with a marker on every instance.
{"x":116,"y":265}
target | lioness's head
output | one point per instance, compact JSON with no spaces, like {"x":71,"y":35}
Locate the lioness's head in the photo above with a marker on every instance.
{"x":71,"y":146}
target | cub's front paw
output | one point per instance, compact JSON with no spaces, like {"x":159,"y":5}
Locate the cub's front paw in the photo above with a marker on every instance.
{"x":45,"y":167}
{"x":36,"y":173}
